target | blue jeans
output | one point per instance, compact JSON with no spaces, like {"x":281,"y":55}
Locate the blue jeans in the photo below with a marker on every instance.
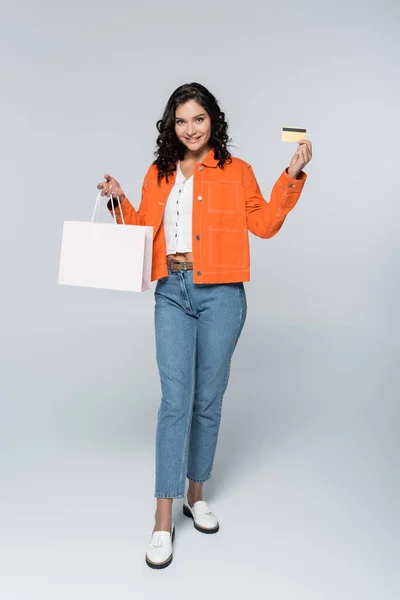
{"x":197,"y":327}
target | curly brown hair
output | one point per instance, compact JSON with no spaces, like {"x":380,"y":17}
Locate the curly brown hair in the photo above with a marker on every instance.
{"x":170,"y":148}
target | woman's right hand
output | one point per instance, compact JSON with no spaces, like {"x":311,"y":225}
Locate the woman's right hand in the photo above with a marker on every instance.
{"x":110,"y":187}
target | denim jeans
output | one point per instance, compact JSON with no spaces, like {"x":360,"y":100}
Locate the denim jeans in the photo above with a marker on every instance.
{"x":197,"y":327}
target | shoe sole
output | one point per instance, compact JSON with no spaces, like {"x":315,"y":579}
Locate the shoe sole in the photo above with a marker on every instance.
{"x":164,"y":564}
{"x":188,"y":513}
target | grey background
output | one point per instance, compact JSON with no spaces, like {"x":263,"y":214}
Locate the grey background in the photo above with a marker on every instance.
{"x":306,"y":477}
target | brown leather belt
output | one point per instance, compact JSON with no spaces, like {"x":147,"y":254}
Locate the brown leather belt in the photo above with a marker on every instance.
{"x":177,"y":265}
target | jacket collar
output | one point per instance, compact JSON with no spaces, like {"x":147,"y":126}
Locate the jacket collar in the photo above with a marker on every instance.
{"x":209,"y":160}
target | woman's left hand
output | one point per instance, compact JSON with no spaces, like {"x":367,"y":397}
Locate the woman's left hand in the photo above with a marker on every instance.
{"x":301,"y":157}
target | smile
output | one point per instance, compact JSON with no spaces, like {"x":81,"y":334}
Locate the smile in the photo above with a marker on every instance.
{"x":192,"y":140}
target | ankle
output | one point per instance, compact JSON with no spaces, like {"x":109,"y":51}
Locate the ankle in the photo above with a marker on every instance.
{"x":162,"y":527}
{"x":193,"y":498}
{"x":162,"y":523}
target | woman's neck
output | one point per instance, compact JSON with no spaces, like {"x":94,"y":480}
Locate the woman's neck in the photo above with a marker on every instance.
{"x":195,"y":157}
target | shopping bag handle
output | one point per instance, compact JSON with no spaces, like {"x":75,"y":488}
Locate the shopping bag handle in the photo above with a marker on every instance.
{"x":112,"y":206}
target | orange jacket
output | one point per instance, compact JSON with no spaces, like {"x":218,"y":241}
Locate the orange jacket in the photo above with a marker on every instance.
{"x":226,"y":204}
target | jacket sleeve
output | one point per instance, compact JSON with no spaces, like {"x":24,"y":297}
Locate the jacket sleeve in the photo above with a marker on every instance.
{"x":131,"y":216}
{"x":265,"y":219}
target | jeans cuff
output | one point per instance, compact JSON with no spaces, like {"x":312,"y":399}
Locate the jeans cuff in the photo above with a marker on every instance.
{"x":174,"y":495}
{"x":198,"y":480}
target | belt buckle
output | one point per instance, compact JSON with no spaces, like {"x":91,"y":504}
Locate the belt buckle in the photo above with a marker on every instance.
{"x":184,"y":268}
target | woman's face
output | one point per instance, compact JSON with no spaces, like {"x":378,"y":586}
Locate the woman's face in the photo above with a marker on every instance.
{"x":193,"y":126}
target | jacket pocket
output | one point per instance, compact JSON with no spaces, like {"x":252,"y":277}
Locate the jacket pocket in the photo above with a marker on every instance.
{"x":228,"y":247}
{"x":224,"y":196}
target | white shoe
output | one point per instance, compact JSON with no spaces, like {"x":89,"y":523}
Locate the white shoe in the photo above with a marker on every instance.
{"x":203,"y":518}
{"x":159,"y":552}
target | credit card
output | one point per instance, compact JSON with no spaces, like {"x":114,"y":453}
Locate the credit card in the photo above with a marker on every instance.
{"x":293,"y":134}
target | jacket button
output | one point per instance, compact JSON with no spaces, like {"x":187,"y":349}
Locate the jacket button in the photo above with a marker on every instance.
{"x":201,"y":168}
{"x":290,"y":185}
{"x":199,"y":197}
{"x":198,"y":272}
{"x":197,"y":237}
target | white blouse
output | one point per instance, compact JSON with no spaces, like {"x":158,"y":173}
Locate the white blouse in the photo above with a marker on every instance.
{"x":178,"y":215}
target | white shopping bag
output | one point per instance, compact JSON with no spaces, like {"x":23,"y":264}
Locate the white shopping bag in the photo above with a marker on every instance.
{"x":106,"y":255}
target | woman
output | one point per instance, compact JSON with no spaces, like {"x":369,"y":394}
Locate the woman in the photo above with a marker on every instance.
{"x":201,"y":202}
